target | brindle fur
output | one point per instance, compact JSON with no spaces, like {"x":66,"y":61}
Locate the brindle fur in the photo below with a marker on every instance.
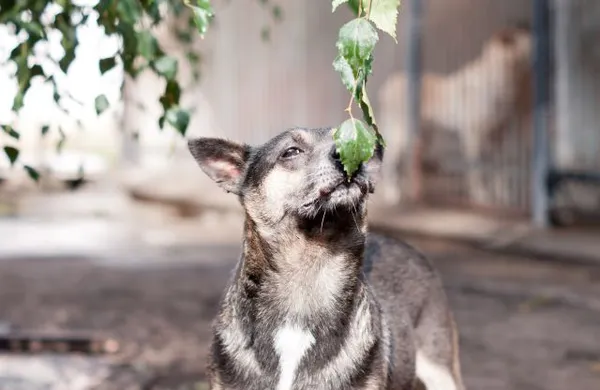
{"x":361,"y":311}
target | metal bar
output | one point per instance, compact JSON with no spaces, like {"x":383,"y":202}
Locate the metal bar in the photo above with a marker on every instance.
{"x":413,"y":118}
{"x":541,"y":153}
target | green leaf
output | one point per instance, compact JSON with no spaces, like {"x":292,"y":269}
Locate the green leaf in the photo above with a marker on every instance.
{"x":365,"y":106}
{"x":34,"y":28}
{"x":101,"y":104}
{"x":8,"y":129}
{"x":45,"y":130}
{"x":265,"y":34}
{"x":61,"y":141}
{"x":368,"y":115}
{"x":12,"y":154}
{"x":384,"y":13}
{"x":128,"y":10}
{"x":193,"y":57}
{"x":355,"y":144}
{"x":171,"y":96}
{"x":277,"y":13}
{"x":147,"y":46}
{"x":153,"y":10}
{"x":343,"y":67}
{"x":107,"y":64}
{"x":184,"y":36}
{"x":36,"y":70}
{"x":356,"y":42}
{"x":203,"y":14}
{"x":33,"y":173}
{"x":166,"y":66}
{"x":67,"y":60}
{"x":337,"y":3}
{"x":18,"y":101}
{"x":178,"y":118}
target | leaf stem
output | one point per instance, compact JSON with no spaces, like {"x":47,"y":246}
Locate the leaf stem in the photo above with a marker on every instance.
{"x":349,"y":108}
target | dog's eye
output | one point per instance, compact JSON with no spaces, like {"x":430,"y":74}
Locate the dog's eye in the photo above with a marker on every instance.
{"x":291,"y":152}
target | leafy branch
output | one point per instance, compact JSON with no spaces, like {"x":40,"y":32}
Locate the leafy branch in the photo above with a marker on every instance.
{"x":130,"y":21}
{"x":356,"y":140}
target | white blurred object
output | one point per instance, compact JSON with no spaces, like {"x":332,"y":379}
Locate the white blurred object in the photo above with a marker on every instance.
{"x":71,"y":165}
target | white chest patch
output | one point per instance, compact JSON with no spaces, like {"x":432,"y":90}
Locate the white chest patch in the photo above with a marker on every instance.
{"x":291,"y":343}
{"x":433,"y":376}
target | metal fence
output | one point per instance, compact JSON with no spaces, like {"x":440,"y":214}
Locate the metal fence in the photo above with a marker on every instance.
{"x":496,"y":108}
{"x":475,"y":104}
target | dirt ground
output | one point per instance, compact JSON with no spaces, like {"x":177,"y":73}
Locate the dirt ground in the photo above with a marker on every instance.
{"x":525,"y":324}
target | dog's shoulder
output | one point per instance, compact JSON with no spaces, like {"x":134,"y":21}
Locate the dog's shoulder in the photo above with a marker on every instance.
{"x":390,"y":255}
{"x":402,"y":278}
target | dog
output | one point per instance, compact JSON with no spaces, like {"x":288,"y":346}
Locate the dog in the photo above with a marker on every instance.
{"x":316,"y":302}
{"x":477,"y":103}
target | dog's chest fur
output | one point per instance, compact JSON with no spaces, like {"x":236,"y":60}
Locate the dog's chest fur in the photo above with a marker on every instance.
{"x":306,"y":325}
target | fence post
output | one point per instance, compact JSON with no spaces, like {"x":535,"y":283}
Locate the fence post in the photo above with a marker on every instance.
{"x":541,"y":151}
{"x":413,"y":119}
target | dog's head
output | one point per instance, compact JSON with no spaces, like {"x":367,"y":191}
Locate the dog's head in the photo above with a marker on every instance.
{"x":511,"y":45}
{"x":295,"y":178}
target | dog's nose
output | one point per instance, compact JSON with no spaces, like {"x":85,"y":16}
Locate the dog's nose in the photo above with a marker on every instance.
{"x":335,"y":156}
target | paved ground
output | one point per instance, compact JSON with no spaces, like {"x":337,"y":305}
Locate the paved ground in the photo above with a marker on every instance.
{"x":525,"y":324}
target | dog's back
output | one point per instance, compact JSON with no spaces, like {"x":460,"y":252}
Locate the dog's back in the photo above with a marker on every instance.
{"x":395,"y":269}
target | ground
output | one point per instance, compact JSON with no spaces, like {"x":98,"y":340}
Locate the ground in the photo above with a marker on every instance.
{"x":525,"y":324}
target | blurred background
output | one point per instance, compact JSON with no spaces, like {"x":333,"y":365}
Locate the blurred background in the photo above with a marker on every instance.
{"x":491,"y":114}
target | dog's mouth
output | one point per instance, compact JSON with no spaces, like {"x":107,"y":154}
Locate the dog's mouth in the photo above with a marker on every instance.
{"x":339,"y":194}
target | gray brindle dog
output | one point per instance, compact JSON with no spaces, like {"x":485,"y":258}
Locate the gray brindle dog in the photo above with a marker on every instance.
{"x":315,"y":302}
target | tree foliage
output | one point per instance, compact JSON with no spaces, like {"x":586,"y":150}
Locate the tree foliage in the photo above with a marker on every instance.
{"x":131,"y":21}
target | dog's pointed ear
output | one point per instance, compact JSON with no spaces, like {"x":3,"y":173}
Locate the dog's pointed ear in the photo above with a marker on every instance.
{"x":223,"y":161}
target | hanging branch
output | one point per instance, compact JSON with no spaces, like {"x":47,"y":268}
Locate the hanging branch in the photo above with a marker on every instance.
{"x":356,"y":140}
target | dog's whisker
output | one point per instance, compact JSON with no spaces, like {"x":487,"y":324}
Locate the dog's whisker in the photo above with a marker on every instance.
{"x":352,"y":213}
{"x":323,"y":220}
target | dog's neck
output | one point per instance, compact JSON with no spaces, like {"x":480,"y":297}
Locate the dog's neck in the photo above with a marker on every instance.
{"x":302,"y":269}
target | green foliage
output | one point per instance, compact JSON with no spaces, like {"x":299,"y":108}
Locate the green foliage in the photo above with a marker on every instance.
{"x":7,"y":129}
{"x":107,"y":64}
{"x":101,"y":104}
{"x":355,"y":143}
{"x":356,"y":42}
{"x":12,"y":153}
{"x":32,"y":173}
{"x":203,"y":14}
{"x":384,"y":13}
{"x":166,"y":66}
{"x":178,"y":118}
{"x":131,"y":22}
